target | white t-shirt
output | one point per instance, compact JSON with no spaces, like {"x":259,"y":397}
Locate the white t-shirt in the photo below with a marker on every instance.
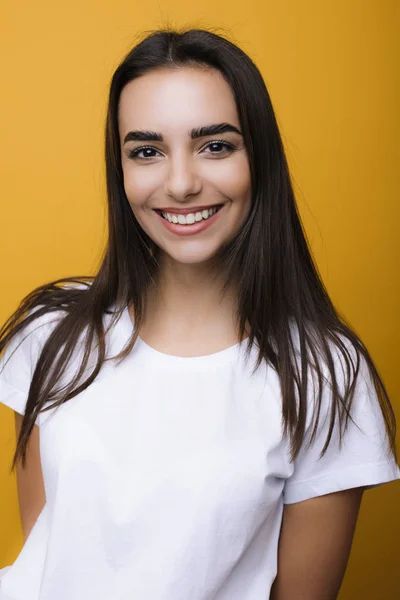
{"x":167,"y":477}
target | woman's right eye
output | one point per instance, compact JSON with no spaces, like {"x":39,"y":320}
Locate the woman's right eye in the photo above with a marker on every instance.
{"x":147,"y":152}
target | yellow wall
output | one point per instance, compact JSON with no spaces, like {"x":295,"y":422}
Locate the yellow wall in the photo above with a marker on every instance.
{"x":332,"y":71}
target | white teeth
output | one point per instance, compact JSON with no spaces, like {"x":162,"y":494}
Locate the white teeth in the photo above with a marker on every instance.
{"x":190,"y":218}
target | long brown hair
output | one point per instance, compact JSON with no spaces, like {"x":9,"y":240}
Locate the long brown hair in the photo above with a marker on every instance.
{"x":278,"y":282}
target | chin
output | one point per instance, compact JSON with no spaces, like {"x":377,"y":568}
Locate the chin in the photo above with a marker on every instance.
{"x":187,"y":257}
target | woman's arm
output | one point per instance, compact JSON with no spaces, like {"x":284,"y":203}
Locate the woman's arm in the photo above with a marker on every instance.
{"x":30,"y":484}
{"x":314,"y":546}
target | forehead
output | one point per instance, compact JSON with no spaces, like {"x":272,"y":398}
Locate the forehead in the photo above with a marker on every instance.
{"x":175,"y":100}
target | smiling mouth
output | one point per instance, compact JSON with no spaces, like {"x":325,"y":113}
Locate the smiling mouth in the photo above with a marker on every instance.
{"x":189,"y":218}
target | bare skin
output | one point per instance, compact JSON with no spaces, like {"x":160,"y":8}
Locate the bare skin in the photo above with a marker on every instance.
{"x":185,"y":315}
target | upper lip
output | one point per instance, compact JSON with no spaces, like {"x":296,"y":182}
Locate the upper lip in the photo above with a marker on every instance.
{"x":185,"y":211}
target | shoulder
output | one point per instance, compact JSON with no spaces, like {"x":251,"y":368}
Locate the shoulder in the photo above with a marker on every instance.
{"x":26,"y":331}
{"x":337,"y":351}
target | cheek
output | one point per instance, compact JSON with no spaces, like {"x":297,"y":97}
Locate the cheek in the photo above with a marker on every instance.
{"x":233,"y":179}
{"x":139,"y":185}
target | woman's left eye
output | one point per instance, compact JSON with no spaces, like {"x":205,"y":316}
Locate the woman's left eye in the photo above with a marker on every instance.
{"x":216,"y":147}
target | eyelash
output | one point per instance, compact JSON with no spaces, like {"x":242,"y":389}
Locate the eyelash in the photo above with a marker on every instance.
{"x":134,"y":153}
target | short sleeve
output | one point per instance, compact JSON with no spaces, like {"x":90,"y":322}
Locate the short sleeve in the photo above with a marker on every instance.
{"x":363,"y":458}
{"x":17,"y":365}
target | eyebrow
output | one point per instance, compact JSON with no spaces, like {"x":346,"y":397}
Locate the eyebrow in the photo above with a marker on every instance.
{"x":196,"y":132}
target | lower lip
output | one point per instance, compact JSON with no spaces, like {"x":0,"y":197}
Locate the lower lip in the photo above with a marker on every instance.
{"x":179,"y":229}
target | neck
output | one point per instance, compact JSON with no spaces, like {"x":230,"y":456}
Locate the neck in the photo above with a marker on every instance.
{"x":187,"y":300}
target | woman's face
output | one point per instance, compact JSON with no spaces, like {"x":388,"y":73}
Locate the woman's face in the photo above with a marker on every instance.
{"x":171,"y":163}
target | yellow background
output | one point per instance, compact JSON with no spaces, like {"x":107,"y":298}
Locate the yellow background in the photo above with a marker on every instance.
{"x":332,"y":71}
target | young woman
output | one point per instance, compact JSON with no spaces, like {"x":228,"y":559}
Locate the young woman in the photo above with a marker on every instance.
{"x":207,"y":421}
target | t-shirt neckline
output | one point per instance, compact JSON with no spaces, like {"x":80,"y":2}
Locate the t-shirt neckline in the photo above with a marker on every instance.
{"x":225,"y":355}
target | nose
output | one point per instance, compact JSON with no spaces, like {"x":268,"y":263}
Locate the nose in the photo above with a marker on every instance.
{"x":182,"y":180}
